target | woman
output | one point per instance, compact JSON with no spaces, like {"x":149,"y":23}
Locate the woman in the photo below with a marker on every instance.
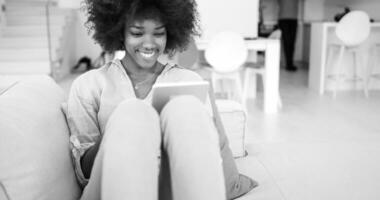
{"x":116,"y":135}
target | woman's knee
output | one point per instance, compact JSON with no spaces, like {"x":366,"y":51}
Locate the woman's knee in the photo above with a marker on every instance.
{"x":135,"y":107}
{"x":184,"y":106}
{"x":135,"y":110}
{"x":185,"y":112}
{"x":186,"y":121}
{"x":134,"y":120}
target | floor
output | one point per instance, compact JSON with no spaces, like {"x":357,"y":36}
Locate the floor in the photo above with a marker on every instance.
{"x":316,"y":147}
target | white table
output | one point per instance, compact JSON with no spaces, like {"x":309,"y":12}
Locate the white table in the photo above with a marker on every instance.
{"x":271,"y":47}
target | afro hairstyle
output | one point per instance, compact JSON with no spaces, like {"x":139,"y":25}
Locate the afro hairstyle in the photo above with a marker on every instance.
{"x":108,"y":19}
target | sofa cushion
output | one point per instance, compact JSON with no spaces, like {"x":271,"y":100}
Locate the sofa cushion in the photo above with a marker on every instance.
{"x":232,"y":145}
{"x":34,"y":143}
{"x":236,"y":184}
{"x":234,"y":120}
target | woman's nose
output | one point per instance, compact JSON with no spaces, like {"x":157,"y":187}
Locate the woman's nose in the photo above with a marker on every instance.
{"x":148,"y":42}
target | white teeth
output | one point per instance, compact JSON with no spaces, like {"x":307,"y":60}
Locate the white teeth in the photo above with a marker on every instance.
{"x":147,"y":54}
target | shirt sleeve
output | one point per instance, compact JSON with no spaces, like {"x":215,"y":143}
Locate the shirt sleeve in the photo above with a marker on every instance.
{"x":83,"y":124}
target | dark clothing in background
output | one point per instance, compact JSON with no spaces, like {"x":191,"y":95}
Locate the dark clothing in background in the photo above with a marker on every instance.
{"x":289,"y":29}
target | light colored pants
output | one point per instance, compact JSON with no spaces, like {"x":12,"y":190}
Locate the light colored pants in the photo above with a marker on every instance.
{"x":126,"y":166}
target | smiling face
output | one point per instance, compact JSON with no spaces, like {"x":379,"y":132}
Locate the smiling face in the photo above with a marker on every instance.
{"x":145,"y":41}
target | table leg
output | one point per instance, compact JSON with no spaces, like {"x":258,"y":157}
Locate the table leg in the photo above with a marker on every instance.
{"x":272,"y":69}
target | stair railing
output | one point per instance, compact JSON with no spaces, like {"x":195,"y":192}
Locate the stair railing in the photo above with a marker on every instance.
{"x":61,"y":55}
{"x":65,"y":55}
{"x":48,"y":30}
{"x":2,"y":14}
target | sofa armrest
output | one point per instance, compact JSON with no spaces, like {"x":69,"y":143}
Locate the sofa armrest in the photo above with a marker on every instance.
{"x":34,"y":142}
{"x":230,"y":120}
{"x":5,"y":89}
{"x":234,"y":120}
{"x":3,"y":192}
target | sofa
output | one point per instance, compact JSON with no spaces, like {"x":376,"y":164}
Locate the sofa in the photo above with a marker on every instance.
{"x":35,"y":161}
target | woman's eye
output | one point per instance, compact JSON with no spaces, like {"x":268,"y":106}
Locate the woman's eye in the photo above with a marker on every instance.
{"x":136,"y":34}
{"x":160,"y":34}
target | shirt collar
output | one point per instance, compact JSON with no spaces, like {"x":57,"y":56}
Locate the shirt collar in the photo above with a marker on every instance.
{"x":167,"y":66}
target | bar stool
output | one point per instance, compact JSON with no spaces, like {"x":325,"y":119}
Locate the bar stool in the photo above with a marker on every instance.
{"x":226,"y":53}
{"x":232,"y":113}
{"x":352,"y":30}
{"x":373,"y":71}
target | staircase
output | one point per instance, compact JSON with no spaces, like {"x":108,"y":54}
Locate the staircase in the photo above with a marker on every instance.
{"x":24,"y":46}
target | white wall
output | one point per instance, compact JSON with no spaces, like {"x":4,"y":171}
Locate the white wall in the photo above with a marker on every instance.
{"x":85,"y":45}
{"x":233,"y":15}
{"x":313,"y":10}
{"x":270,"y":10}
{"x":2,"y":15}
{"x":68,"y":47}
{"x":332,"y":7}
{"x":69,"y":3}
{"x":325,"y":10}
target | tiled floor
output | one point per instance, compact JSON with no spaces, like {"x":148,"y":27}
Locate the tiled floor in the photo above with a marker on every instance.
{"x":316,"y":147}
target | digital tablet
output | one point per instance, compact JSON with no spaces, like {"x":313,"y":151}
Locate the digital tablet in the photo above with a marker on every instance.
{"x":163,"y":92}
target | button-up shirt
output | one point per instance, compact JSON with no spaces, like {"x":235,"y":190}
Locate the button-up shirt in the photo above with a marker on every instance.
{"x":95,"y":94}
